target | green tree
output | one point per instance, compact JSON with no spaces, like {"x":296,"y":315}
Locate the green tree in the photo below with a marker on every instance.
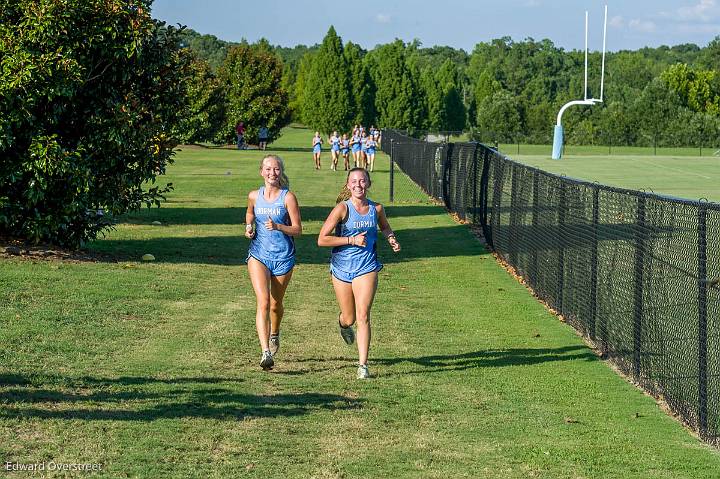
{"x":362,"y":86}
{"x":654,"y":110}
{"x":398,"y":99}
{"x":695,"y":87}
{"x":205,"y":116}
{"x":433,"y":98}
{"x":327,"y":97}
{"x":710,"y":56}
{"x":252,"y":79}
{"x":297,"y":99}
{"x":498,"y":117}
{"x":206,"y":47}
{"x":453,"y":113}
{"x":91,"y":93}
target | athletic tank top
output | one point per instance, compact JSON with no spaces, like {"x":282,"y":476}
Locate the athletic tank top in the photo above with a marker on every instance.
{"x":349,"y":258}
{"x":271,"y":245}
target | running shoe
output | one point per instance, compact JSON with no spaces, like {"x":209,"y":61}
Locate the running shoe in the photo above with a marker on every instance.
{"x":347,"y":334}
{"x":362,"y":372}
{"x":267,"y":361}
{"x":274,"y":343}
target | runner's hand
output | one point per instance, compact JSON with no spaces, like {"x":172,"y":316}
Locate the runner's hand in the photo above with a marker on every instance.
{"x":360,"y":240}
{"x":394,"y":244}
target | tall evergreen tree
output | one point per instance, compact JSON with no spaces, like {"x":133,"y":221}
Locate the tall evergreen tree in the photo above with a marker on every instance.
{"x":297,"y":98}
{"x":453,"y":117}
{"x":398,"y":100}
{"x":327,"y":96}
{"x":433,"y":98}
{"x":362,"y":86}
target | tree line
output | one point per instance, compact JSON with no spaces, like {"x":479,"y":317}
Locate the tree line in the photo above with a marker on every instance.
{"x":96,"y":94}
{"x":504,"y":90}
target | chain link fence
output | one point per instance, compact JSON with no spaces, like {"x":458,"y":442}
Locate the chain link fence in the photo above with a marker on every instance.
{"x":638,"y":274}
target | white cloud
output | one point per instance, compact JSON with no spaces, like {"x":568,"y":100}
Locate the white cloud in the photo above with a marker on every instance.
{"x":382,"y":18}
{"x":617,"y":22}
{"x":705,"y":11}
{"x":644,"y":26}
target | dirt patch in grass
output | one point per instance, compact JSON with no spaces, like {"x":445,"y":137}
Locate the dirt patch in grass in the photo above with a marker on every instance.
{"x":20,"y":249}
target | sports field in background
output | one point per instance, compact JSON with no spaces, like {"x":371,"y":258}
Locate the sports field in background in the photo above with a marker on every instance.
{"x":691,"y":173}
{"x":151,"y":369}
{"x":690,"y":177}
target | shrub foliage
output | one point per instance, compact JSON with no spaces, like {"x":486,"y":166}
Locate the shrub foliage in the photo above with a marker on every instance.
{"x":90,"y":97}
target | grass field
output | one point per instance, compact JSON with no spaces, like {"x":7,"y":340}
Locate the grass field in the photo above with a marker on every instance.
{"x":150,"y":369}
{"x":675,"y":175}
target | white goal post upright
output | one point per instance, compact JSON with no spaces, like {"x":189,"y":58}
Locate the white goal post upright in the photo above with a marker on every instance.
{"x":559,"y":133}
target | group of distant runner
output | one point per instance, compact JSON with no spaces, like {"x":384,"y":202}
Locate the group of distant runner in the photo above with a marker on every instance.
{"x":360,"y":142}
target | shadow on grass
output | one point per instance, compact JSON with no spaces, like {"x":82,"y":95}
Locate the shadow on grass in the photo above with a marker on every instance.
{"x":490,"y":358}
{"x":236,"y":216}
{"x":149,"y":399}
{"x":417,"y":243}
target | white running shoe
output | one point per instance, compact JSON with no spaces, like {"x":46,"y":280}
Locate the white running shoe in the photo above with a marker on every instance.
{"x":274,"y":343}
{"x":362,"y":372}
{"x":267,"y":361}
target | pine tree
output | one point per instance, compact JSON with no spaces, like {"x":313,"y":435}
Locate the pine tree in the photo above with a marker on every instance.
{"x":399,"y":101}
{"x":297,"y":101}
{"x":362,"y":86}
{"x":453,"y":113}
{"x":327,"y":95}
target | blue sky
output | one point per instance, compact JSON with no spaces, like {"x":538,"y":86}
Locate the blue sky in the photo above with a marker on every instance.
{"x":457,"y":23}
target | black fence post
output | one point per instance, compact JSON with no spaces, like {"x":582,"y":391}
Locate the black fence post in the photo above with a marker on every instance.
{"x":488,"y":159}
{"x":561,"y":250}
{"x":594,"y":263}
{"x":702,"y":320}
{"x":535,"y":224}
{"x":475,"y":181}
{"x":447,"y":172}
{"x":514,"y":214}
{"x":392,"y":170}
{"x":639,"y":281}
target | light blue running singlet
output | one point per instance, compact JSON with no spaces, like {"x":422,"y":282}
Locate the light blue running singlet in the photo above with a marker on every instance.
{"x":271,"y":245}
{"x":348,"y":261}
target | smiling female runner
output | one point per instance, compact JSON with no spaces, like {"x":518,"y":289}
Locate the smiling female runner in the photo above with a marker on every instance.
{"x":354,"y":265}
{"x":271,"y":221}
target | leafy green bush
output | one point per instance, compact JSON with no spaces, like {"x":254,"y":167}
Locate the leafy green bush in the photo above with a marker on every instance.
{"x":206,"y":114}
{"x":252,"y":80}
{"x":90,"y":97}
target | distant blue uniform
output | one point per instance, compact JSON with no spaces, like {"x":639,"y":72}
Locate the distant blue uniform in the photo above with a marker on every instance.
{"x":363,"y":145}
{"x":317,"y":147}
{"x":356,"y":144}
{"x":345,"y":146}
{"x":334,"y":143}
{"x":274,"y":249}
{"x":370,"y":147}
{"x":348,"y":261}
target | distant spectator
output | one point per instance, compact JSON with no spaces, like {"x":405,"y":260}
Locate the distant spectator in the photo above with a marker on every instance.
{"x":263,"y":134}
{"x":240,"y":131}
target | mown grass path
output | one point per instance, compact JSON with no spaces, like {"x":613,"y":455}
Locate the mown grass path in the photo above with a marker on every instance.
{"x":150,"y":369}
